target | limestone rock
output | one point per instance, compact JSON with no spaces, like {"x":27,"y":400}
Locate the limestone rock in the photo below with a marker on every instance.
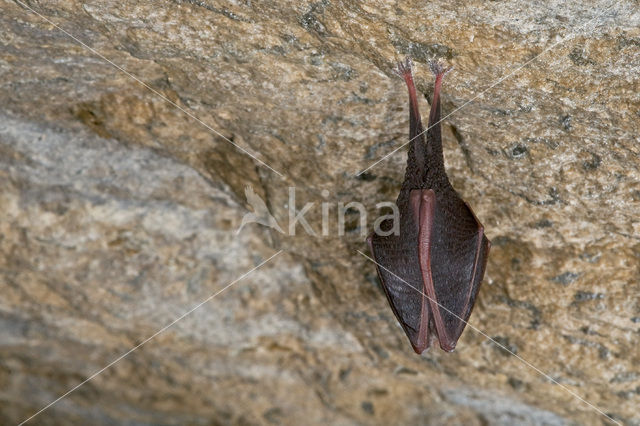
{"x":130,"y":130}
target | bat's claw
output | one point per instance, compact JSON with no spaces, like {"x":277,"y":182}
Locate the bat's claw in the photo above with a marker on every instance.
{"x":404,"y":68}
{"x":438,"y":69}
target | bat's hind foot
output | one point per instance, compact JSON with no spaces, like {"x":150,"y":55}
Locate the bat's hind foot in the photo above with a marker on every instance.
{"x":437,"y":69}
{"x":404,"y":68}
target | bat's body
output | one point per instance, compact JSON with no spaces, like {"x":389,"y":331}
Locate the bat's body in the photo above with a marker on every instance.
{"x":431,"y":271}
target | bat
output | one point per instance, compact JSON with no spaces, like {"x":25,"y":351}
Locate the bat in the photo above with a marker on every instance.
{"x":432,"y":269}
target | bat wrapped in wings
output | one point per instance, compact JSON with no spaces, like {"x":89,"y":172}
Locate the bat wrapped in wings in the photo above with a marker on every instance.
{"x":431,"y":271}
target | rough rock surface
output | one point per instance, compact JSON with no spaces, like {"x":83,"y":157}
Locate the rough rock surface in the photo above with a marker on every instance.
{"x":120,"y":201}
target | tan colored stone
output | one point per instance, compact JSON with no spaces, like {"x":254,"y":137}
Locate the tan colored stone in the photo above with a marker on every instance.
{"x":119,"y":211}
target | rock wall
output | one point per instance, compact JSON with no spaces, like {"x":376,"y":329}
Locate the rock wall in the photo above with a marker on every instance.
{"x":130,"y":130}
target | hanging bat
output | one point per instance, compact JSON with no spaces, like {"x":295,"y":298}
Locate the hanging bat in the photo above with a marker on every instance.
{"x":431,"y":271}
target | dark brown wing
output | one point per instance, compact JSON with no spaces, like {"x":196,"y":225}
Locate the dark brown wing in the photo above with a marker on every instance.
{"x":457,"y":258}
{"x":396,"y":259}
